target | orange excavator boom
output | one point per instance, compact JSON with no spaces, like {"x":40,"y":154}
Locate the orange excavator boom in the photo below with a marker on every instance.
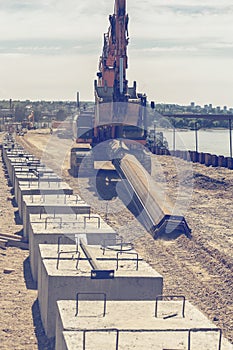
{"x":113,"y":62}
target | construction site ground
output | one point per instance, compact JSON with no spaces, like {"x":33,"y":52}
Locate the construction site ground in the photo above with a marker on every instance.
{"x":199,"y":267}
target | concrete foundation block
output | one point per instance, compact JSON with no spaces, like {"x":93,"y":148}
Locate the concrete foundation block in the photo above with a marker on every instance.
{"x":15,"y":161}
{"x":40,"y":169}
{"x":66,"y":228}
{"x":134,"y":325}
{"x":34,"y":176}
{"x":52,"y":205}
{"x":62,"y":283}
{"x":28,"y":188}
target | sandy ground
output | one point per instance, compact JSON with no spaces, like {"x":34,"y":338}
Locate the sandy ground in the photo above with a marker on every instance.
{"x":199,"y":267}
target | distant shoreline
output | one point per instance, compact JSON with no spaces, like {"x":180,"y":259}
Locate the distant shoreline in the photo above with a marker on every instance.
{"x":186,"y":129}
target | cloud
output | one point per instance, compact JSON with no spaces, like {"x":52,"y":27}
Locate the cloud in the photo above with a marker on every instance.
{"x":169,"y":29}
{"x":52,"y":19}
{"x":58,"y":43}
{"x":86,"y":21}
{"x":173,"y":49}
{"x":195,"y":10}
{"x":48,"y":47}
{"x":205,"y":46}
{"x":18,"y":6}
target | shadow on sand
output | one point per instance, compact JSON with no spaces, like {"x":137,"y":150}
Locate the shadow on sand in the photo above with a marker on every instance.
{"x":30,"y":284}
{"x":43,"y":342}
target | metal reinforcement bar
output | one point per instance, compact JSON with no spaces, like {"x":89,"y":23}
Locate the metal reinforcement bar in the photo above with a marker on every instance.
{"x":93,"y":294}
{"x":96,"y":272}
{"x":154,"y":208}
{"x":91,"y":259}
{"x":140,"y":331}
{"x":171,"y":297}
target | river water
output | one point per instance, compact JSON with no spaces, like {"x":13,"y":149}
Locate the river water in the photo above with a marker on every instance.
{"x":210,"y":141}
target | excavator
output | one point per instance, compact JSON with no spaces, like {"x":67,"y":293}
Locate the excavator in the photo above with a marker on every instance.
{"x":119,"y":125}
{"x":119,"y":118}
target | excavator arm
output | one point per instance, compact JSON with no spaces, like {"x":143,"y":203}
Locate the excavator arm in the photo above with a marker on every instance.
{"x":113,"y":62}
{"x":118,"y":106}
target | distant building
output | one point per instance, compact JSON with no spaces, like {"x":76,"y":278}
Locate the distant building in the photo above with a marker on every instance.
{"x":6,"y":112}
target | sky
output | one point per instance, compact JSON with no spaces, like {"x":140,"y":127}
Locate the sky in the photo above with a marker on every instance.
{"x":180,"y":51}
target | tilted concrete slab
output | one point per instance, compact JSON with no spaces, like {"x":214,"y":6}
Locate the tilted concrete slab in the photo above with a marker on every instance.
{"x":64,"y":282}
{"x":156,"y":211}
{"x":45,"y":229}
{"x":28,"y":188}
{"x":136,"y":324}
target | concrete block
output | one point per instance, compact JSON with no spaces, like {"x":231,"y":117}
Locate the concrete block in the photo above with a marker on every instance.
{"x":35,"y":168}
{"x":51,"y":205}
{"x":34,"y":176}
{"x":136,"y":325}
{"x":7,"y":151}
{"x":28,"y":188}
{"x":62,"y":283}
{"x":15,"y":161}
{"x":44,"y":229}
